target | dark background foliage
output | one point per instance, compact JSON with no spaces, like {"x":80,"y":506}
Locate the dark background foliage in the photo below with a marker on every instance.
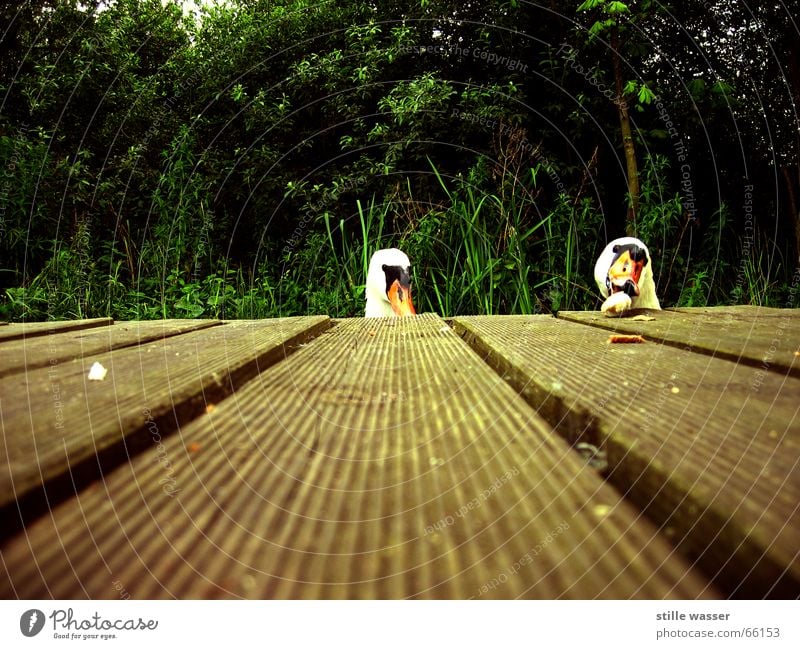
{"x":244,"y":160}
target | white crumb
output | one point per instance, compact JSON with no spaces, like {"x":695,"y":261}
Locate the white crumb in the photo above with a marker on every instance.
{"x":97,"y":372}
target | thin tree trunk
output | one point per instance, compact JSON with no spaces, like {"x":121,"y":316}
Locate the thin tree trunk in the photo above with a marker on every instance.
{"x":793,"y":209}
{"x":627,"y":138}
{"x":793,"y":182}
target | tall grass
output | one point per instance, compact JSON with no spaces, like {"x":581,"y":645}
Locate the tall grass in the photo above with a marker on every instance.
{"x":473,"y":252}
{"x":481,"y":263}
{"x":484,"y":243}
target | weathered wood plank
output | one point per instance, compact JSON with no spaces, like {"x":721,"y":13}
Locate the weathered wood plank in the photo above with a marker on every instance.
{"x":762,"y":337}
{"x":707,"y":447}
{"x":55,"y":420}
{"x":17,"y":330}
{"x":745,"y":311}
{"x":62,"y":346}
{"x":382,"y":460}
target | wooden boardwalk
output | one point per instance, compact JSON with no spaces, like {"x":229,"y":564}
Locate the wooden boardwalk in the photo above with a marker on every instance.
{"x":483,"y":457}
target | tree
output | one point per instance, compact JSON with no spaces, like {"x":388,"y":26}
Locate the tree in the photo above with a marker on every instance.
{"x":613,"y":20}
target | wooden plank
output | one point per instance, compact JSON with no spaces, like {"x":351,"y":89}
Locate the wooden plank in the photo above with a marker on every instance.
{"x":706,"y":447}
{"x":56,"y":422}
{"x":18,"y":330}
{"x":747,"y":311}
{"x":762,"y":337}
{"x":382,"y":460}
{"x":62,"y":346}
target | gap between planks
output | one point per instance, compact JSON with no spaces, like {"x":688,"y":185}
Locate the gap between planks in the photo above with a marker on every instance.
{"x":749,"y":554}
{"x":102,"y":423}
{"x":20,"y":330}
{"x":334,"y":474}
{"x":761,"y":337}
{"x":23,"y":355}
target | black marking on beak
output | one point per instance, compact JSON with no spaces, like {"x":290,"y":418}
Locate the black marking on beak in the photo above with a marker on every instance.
{"x":630,"y":289}
{"x":637,"y":253}
{"x":625,"y":269}
{"x":402,"y":275}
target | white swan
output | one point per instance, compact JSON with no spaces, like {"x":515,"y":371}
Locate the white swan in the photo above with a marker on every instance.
{"x":624,"y":275}
{"x":389,"y":284}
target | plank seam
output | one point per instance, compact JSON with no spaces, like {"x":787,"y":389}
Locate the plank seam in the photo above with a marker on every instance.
{"x":80,"y":325}
{"x":570,"y":424}
{"x":37,"y":500}
{"x":696,"y":349}
{"x":578,"y":425}
{"x":133,"y":343}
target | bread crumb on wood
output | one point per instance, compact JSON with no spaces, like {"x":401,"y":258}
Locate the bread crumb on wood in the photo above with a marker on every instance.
{"x":620,"y":338}
{"x":97,"y":372}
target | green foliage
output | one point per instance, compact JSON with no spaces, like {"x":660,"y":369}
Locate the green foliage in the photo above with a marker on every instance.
{"x":695,"y":291}
{"x":474,"y":252}
{"x":247,"y":161}
{"x":610,"y":8}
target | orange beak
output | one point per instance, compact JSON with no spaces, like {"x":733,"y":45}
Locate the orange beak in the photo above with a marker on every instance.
{"x":400,"y":299}
{"x":624,"y":275}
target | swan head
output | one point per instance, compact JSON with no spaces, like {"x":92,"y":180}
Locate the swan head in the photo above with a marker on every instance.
{"x":624,"y":267}
{"x":388,"y":288}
